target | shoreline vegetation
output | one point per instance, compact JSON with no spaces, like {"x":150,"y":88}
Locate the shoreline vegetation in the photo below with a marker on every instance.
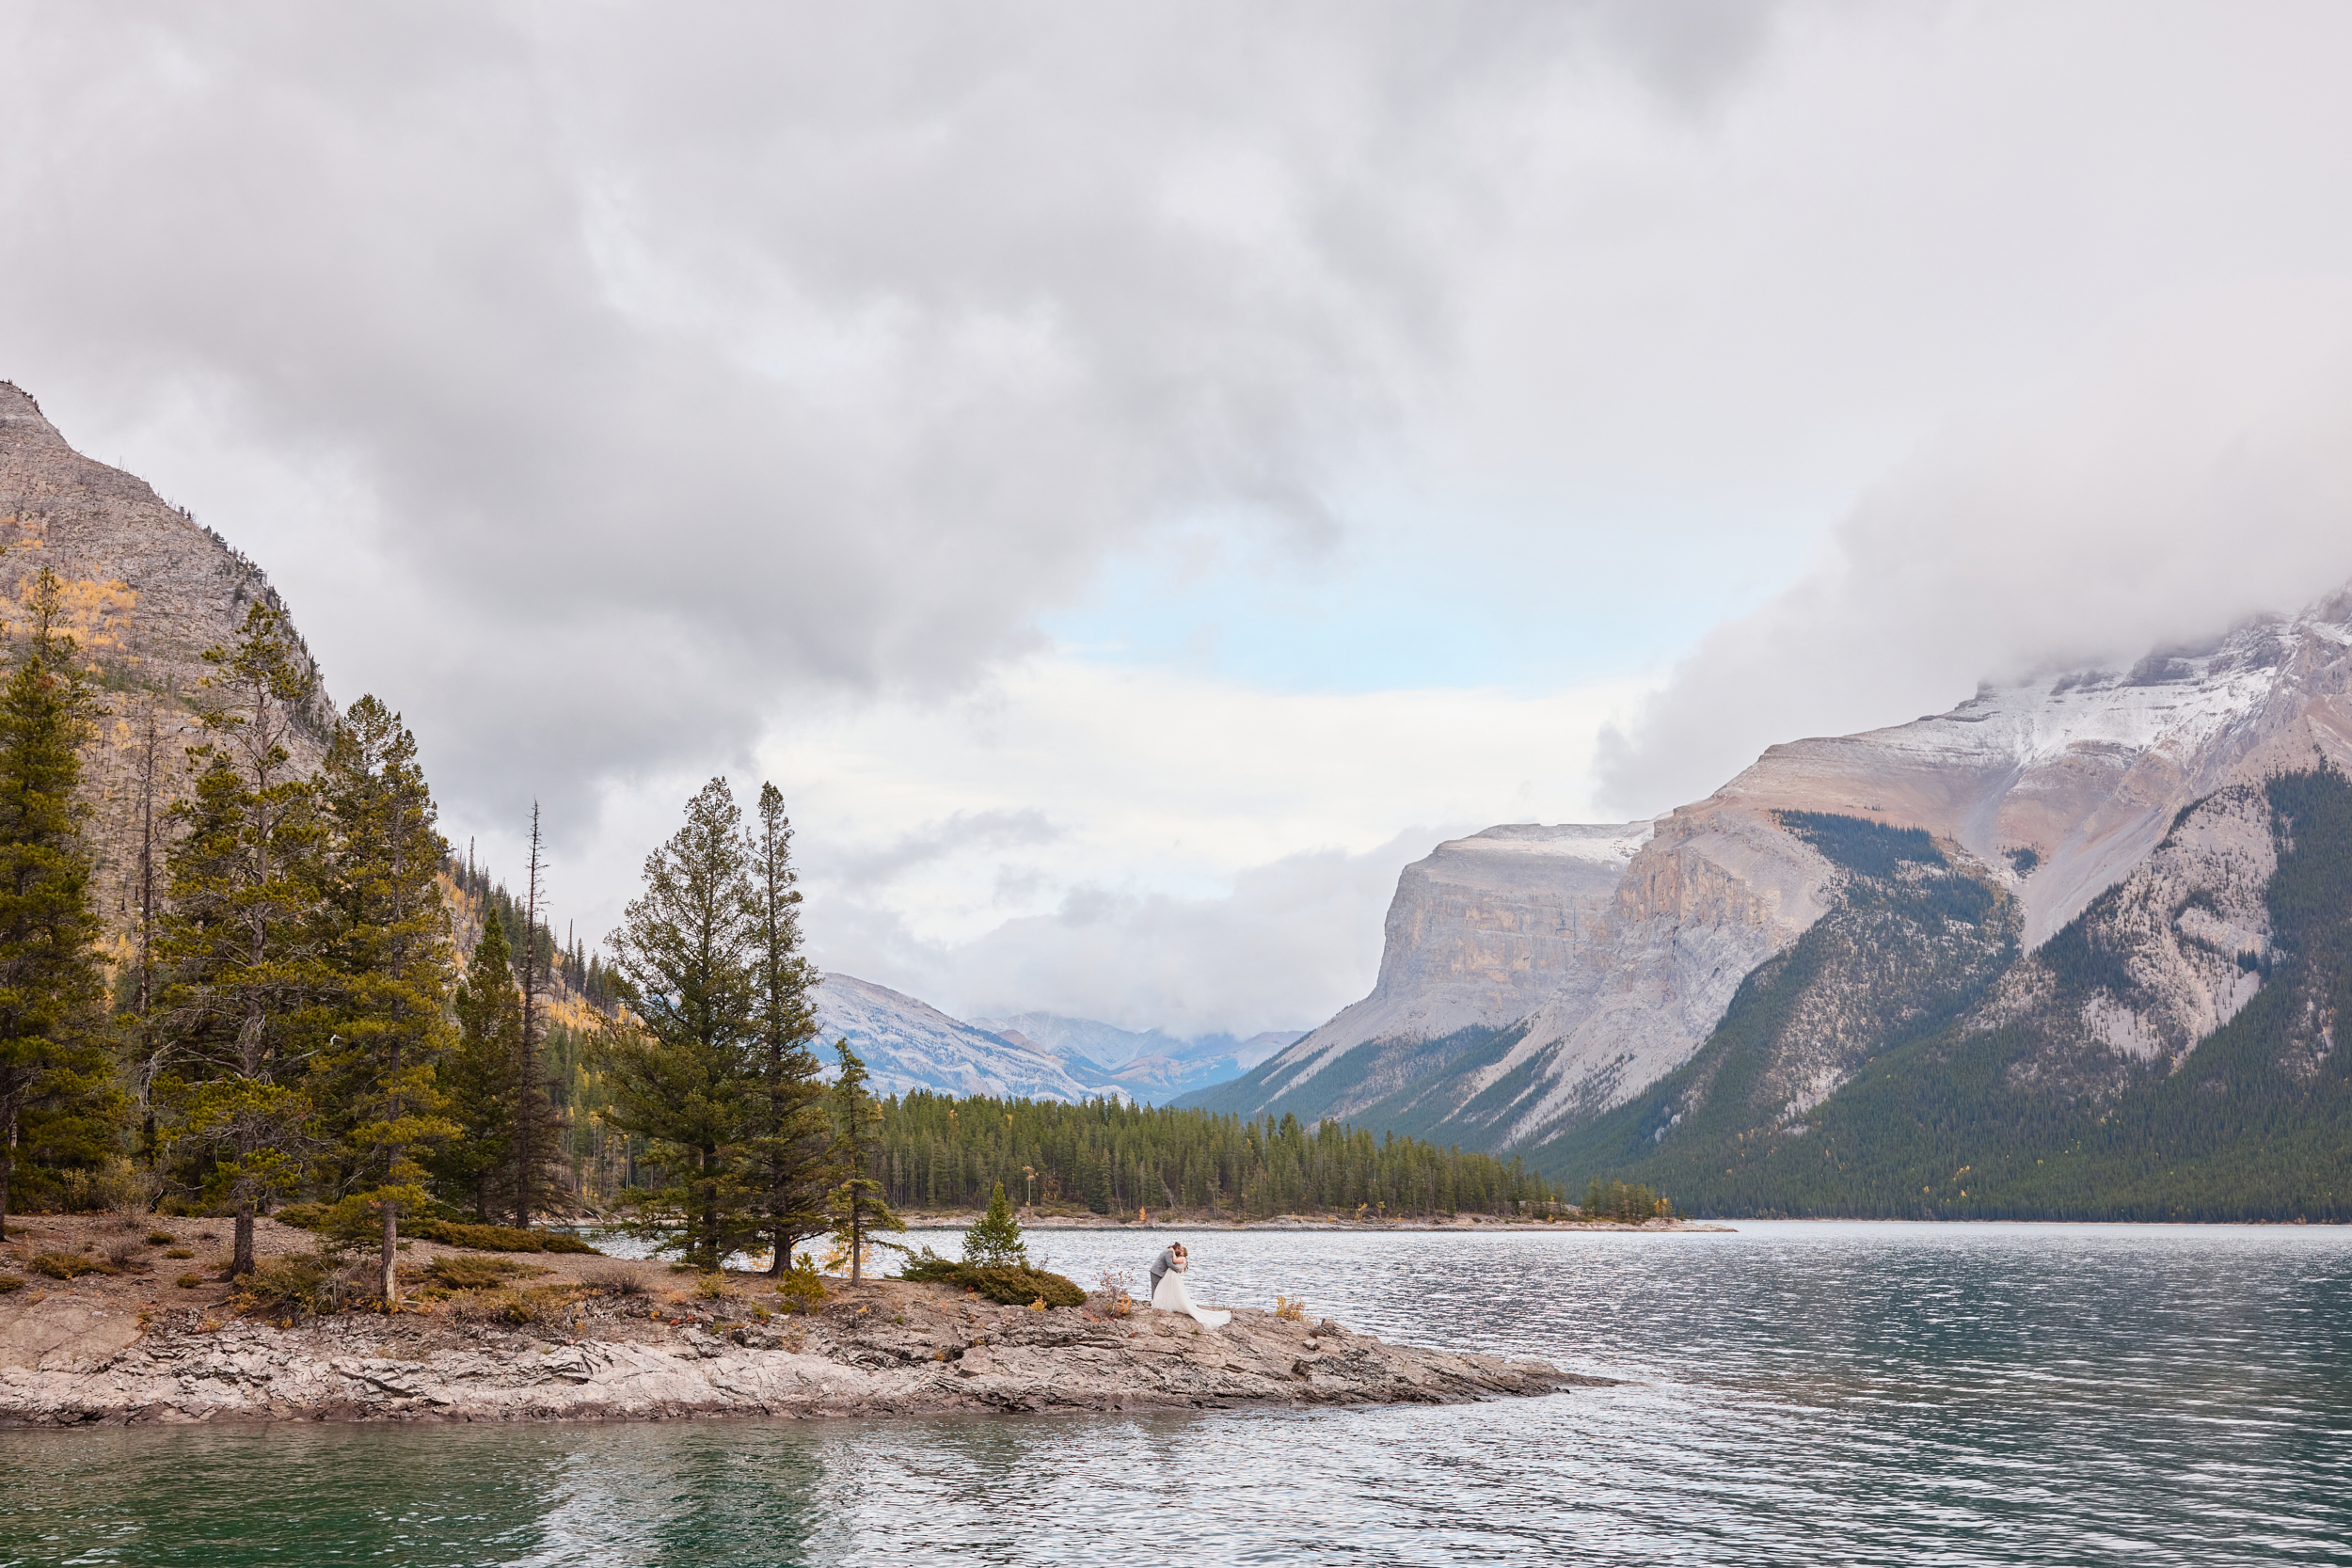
{"x":575,"y":1335}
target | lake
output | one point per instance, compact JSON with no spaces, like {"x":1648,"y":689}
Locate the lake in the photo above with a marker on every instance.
{"x":1795,"y":1393}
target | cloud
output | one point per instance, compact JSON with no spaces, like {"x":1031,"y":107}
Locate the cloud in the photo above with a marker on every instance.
{"x":958,"y":833}
{"x":628,"y":394}
{"x":658,"y":361}
{"x":1291,"y":944}
{"x":1136,"y":844}
{"x":1286,"y":948}
{"x":2204,"y":476}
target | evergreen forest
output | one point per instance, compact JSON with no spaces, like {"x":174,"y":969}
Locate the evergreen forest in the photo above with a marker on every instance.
{"x":940,"y":1153}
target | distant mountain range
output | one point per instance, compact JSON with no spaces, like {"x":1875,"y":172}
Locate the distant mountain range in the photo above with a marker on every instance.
{"x":2081,"y":945}
{"x":909,"y":1044}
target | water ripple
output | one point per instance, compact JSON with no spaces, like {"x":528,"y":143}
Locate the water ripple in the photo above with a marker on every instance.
{"x":1796,"y":1394}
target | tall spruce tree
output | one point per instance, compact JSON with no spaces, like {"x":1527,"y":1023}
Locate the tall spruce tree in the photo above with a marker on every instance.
{"x":860,"y":1205}
{"x":683,"y":1072}
{"x":788,"y":1149}
{"x":58,"y":1102}
{"x":245,"y":937}
{"x":391,"y":950}
{"x":143,"y":893}
{"x":537,"y":1123}
{"x":476,"y":1079}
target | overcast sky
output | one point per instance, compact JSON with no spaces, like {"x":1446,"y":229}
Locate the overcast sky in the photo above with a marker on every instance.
{"x":1135,"y":476}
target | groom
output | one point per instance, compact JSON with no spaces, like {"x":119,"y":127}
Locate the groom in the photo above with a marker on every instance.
{"x":1165,"y":1261}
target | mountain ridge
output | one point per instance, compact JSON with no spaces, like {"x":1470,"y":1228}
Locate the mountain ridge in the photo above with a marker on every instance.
{"x":1522,"y":997}
{"x":910,"y":1045}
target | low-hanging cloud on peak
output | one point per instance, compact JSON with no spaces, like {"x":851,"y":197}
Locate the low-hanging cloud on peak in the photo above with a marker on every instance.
{"x":2204,"y":476}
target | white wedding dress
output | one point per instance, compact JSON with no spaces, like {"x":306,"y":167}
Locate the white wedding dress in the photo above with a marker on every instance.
{"x":1171,"y":1296}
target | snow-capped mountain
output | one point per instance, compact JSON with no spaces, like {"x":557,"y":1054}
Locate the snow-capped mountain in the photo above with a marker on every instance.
{"x":1149,"y":1065}
{"x":1535,"y":977}
{"x":908,"y":1044}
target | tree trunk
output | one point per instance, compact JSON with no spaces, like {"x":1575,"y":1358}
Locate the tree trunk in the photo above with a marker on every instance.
{"x":242,"y":1264}
{"x":857,"y":1241}
{"x":709,"y":1242}
{"x":391,"y":1245}
{"x":781,"y":1239}
{"x":7,"y":1162}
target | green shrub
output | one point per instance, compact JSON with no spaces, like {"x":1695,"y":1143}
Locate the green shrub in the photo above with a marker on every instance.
{"x":802,"y":1288}
{"x":297,"y":1283}
{"x":543,"y":1306}
{"x":615,"y":1280}
{"x":160,"y":1238}
{"x":68,"y":1265}
{"x":189,"y":1281}
{"x":1020,"y":1287}
{"x":9,"y":1282}
{"x":477,"y":1273}
{"x":1013,"y":1285}
{"x":496,"y":1238}
{"x":353,"y":1219}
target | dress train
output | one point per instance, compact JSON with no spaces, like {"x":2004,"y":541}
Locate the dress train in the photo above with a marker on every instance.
{"x":1171,"y":1296}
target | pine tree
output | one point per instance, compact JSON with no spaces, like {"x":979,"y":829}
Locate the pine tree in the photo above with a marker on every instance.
{"x":860,"y":1207}
{"x":391,"y":948}
{"x":788,"y":1150}
{"x":537,"y":1125}
{"x":143,"y":900}
{"x":683,"y":1073}
{"x":57,"y":1102}
{"x":245,"y":936}
{"x":475,"y":1080}
{"x":993,"y":1240}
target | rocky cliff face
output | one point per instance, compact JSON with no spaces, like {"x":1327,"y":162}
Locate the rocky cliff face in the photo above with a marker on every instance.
{"x":1536,"y":977}
{"x":2170,"y":1052}
{"x":147,"y":592}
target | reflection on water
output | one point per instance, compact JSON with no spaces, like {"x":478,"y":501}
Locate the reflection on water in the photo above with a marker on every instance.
{"x":1799,"y":1393}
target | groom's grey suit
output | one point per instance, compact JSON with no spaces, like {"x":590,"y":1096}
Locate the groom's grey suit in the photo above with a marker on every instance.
{"x":1160,"y":1265}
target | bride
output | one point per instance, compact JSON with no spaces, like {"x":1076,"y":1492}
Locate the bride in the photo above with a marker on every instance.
{"x":1170,"y":1295}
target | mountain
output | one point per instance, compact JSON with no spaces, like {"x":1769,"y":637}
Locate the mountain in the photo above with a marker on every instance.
{"x":1162,"y":1077}
{"x":908,"y":1044}
{"x":1105,"y":1045}
{"x":2080,"y":875}
{"x":147,"y":590}
{"x":1152,"y":1065}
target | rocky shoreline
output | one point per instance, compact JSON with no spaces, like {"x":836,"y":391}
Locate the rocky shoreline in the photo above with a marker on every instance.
{"x":886,"y":1348}
{"x":573,"y":1337}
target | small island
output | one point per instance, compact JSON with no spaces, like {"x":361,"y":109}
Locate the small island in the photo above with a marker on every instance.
{"x":508,"y":1336}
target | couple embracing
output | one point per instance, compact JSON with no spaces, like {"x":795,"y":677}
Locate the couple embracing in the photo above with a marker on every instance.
{"x":1167,"y":1287}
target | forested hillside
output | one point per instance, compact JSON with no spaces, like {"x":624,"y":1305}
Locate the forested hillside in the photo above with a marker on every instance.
{"x":1962,"y":1101}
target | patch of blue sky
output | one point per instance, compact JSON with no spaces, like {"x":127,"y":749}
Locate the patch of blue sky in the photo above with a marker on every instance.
{"x":1464,"y":591}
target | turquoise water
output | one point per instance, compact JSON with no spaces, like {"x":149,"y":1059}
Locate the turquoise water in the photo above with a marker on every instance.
{"x":1798,"y":1394}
